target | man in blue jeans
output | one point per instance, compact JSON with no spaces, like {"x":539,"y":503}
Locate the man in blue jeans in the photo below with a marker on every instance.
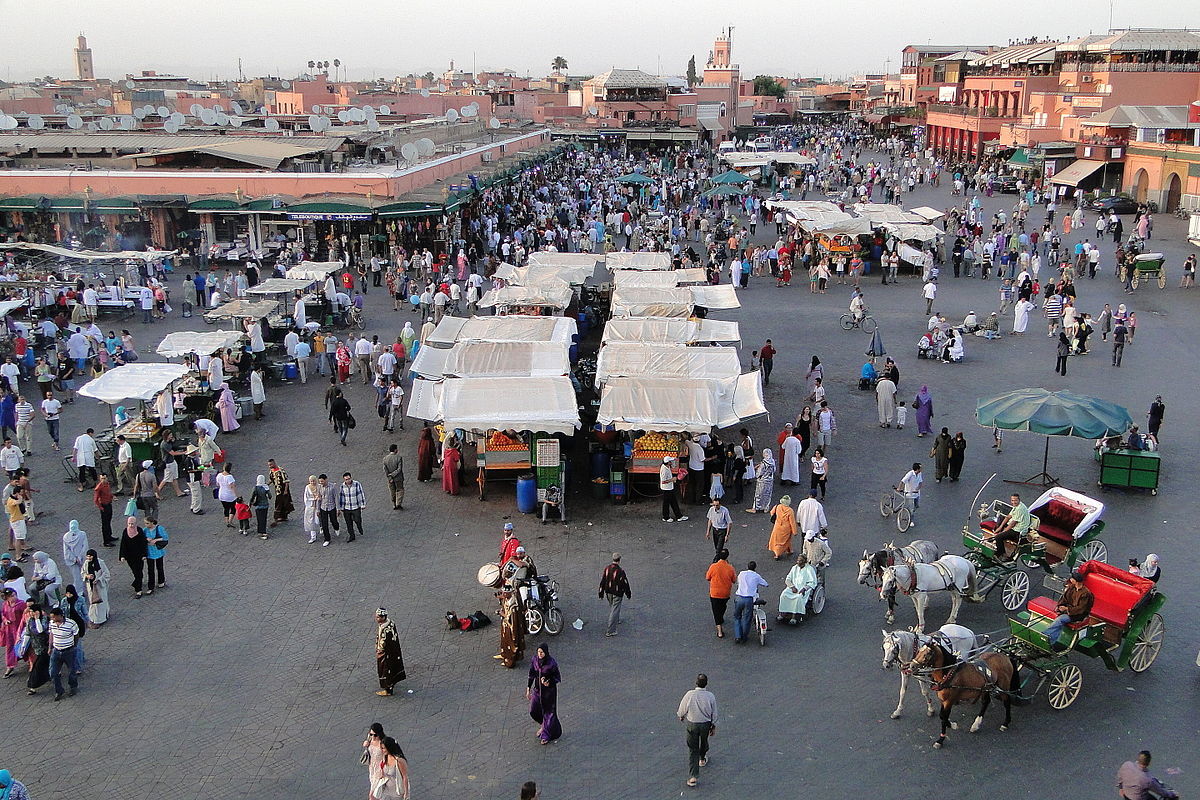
{"x":63,"y":633}
{"x":1075,"y":605}
{"x":748,"y":582}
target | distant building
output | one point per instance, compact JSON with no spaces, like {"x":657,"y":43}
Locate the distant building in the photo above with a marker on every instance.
{"x":84,"y":69}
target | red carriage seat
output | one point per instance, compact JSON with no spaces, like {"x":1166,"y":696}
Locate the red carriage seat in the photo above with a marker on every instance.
{"x":1058,"y":520}
{"x":1116,"y":594}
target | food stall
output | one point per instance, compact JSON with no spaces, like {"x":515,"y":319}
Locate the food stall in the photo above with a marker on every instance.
{"x":670,"y":330}
{"x":639,"y":260}
{"x":536,"y":274}
{"x":583,"y":265}
{"x":673,"y":302}
{"x":314,"y":270}
{"x":143,"y":382}
{"x":492,"y":359}
{"x":516,"y":328}
{"x":548,"y":298}
{"x":644,"y":359}
{"x":240,"y":309}
{"x":1129,"y":469}
{"x":632,"y":279}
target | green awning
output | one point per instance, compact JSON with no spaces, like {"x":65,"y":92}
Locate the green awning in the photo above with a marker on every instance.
{"x":408,"y":209}
{"x":18,"y":203}
{"x":268,"y":204}
{"x":215,"y":204}
{"x":114,"y":205}
{"x":329,"y":207}
{"x":1020,"y":158}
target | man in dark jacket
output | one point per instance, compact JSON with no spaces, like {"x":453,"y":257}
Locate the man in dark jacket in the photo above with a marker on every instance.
{"x":614,"y":585}
{"x":1075,"y":605}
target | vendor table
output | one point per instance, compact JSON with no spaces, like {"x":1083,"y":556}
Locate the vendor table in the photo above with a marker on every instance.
{"x":1130,"y":469}
{"x":143,"y":437}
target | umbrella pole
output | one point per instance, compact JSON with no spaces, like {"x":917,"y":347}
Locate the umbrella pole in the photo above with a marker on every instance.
{"x":1042,"y":478}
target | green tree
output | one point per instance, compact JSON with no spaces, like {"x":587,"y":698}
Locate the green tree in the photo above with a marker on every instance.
{"x":692,"y":78}
{"x":558,"y":65}
{"x":766,"y":86}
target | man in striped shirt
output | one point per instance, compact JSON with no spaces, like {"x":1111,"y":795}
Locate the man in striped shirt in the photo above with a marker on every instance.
{"x":351,"y":500}
{"x":24,"y":425}
{"x":1053,"y":309}
{"x":63,"y":633}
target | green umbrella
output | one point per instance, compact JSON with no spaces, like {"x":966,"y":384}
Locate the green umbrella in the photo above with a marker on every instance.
{"x":731,"y":176}
{"x":635,"y":177}
{"x":724,"y":190}
{"x":1052,"y":414}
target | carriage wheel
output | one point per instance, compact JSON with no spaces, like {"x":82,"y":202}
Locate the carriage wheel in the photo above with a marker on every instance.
{"x":885,"y":502}
{"x":1065,"y":685}
{"x":1030,"y":561}
{"x":817,"y":604}
{"x":1148,"y":643}
{"x":533,"y":620}
{"x":847,"y":322}
{"x":554,"y":622}
{"x":868,"y":325}
{"x":1093,"y":551}
{"x":1134,"y":280}
{"x":1015,"y":590}
{"x":903,"y":518}
{"x":1162,"y":279}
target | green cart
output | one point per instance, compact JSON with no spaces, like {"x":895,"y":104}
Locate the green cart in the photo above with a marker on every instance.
{"x":1147,"y":267}
{"x":1130,"y":469}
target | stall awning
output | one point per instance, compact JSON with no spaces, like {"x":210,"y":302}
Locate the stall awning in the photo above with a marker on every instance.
{"x":549,"y":294}
{"x":1078,"y":171}
{"x":680,"y":404}
{"x":493,"y":360}
{"x":637,"y":260}
{"x":182,"y":343}
{"x":643,"y":359}
{"x":516,"y":328}
{"x":542,"y":274}
{"x":281,"y":285}
{"x":90,"y":255}
{"x":133,"y":382}
{"x":256,"y":309}
{"x":909,"y":232}
{"x":926,"y":213}
{"x":9,"y":306}
{"x":638,"y":302}
{"x":671,"y":331}
{"x":408,"y":209}
{"x":540,"y":405}
{"x":313,"y":270}
{"x":632,"y":279}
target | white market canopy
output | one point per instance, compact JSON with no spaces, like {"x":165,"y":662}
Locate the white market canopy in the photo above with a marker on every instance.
{"x":540,"y":275}
{"x":90,"y":255}
{"x":852,"y":226}
{"x":256,"y":309}
{"x":493,"y":359}
{"x":281,"y":285}
{"x":543,"y":405}
{"x":677,"y":302}
{"x":761,"y":157}
{"x":909,"y":232}
{"x":133,"y":382}
{"x":670,"y":331}
{"x":182,"y":343}
{"x":641,"y":259}
{"x":679,"y":404}
{"x":9,"y":306}
{"x":926,"y":213}
{"x":804,"y":209}
{"x":576,"y":260}
{"x":553,"y":293}
{"x":632,"y":279}
{"x":643,"y":359}
{"x":515,"y":328}
{"x":313,"y":270}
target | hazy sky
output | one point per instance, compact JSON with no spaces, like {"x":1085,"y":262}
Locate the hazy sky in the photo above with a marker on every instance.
{"x":382,"y":38}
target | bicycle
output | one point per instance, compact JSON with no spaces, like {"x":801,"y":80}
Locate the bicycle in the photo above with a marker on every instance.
{"x":760,"y":620}
{"x":354,"y":318}
{"x":867,"y":324}
{"x":894,"y":502}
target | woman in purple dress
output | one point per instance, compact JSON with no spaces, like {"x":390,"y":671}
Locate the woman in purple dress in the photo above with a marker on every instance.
{"x":924,"y":408}
{"x":227,"y":406}
{"x":543,"y":694}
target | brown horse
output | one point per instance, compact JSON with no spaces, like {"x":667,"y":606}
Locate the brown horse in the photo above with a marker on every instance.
{"x":966,"y":682}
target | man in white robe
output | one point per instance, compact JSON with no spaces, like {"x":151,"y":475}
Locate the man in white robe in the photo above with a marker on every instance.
{"x":885,"y":400}
{"x":792,"y":448}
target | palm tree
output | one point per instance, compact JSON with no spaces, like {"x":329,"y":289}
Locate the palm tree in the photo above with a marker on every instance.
{"x":558,"y":65}
{"x":312,"y":64}
{"x":337,"y":62}
{"x":325,"y":65}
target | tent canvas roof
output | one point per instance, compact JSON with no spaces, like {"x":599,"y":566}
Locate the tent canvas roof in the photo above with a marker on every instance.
{"x":89,"y":255}
{"x":670,"y":331}
{"x":628,"y":278}
{"x":9,"y":306}
{"x":313,"y":270}
{"x":545,"y":274}
{"x":544,"y":405}
{"x":493,"y":359}
{"x":680,"y":404}
{"x":579,"y":260}
{"x":636,"y":302}
{"x":637,"y":359}
{"x":280,"y":285}
{"x":641,"y":259}
{"x":181,"y":343}
{"x":133,"y":382}
{"x":242,"y":308}
{"x":516,"y":328}
{"x":911,"y":232}
{"x":551,"y":293}
{"x":926,"y":213}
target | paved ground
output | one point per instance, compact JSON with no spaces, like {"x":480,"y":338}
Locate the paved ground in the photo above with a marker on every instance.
{"x":253,"y":674}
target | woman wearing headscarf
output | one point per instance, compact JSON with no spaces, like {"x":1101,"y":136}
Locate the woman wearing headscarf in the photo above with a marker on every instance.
{"x":392,"y":783}
{"x":815,"y":371}
{"x":312,"y":504}
{"x":74,"y":548}
{"x":785,"y":528}
{"x":133,"y":552}
{"x":389,"y":661}
{"x":95,"y":587}
{"x":407,"y":337}
{"x":36,"y":628}
{"x":74,"y":608}
{"x":260,"y":501}
{"x":227,"y":406}
{"x":958,"y":453}
{"x":542,"y":692}
{"x":12,"y":614}
{"x":800,"y":582}
{"x":764,"y":483}
{"x":342,"y":358}
{"x":451,"y":459}
{"x":425,"y":454}
{"x":156,"y":546}
{"x":216,"y":372}
{"x":923,"y":404}
{"x":258,"y":395}
{"x":1149,"y":568}
{"x":46,"y":579}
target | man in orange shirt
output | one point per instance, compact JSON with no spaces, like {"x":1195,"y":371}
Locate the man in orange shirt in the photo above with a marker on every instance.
{"x":721,"y":577}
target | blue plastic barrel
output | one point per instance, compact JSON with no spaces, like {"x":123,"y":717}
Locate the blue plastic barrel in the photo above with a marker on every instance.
{"x":290,"y":372}
{"x":600,"y":464}
{"x":526,"y":493}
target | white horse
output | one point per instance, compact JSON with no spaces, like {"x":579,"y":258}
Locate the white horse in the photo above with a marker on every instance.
{"x":949,"y":573}
{"x":872,"y":565}
{"x":901,"y":647}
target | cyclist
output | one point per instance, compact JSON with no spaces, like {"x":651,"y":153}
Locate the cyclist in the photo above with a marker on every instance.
{"x":910,"y":486}
{"x":858,"y":307}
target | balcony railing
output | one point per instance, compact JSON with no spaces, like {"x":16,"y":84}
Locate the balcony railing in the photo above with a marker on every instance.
{"x":1104,"y":141}
{"x":1154,"y":66}
{"x":970,"y":111}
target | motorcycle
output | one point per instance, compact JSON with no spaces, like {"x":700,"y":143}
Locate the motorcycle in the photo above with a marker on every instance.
{"x":542,"y":610}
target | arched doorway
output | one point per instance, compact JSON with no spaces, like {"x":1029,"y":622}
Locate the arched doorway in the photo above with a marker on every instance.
{"x":1141,"y":183}
{"x":1174,"y":190}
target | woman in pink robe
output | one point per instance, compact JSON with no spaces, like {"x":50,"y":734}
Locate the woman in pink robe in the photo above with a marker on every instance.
{"x":462,"y":265}
{"x":451,"y":459}
{"x":227,"y":405}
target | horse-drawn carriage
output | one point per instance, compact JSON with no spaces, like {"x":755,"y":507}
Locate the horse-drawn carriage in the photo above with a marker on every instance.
{"x":1124,"y":630}
{"x":1064,"y":526}
{"x":1146,"y":266}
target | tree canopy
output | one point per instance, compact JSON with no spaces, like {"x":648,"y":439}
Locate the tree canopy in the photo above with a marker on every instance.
{"x":766,"y":86}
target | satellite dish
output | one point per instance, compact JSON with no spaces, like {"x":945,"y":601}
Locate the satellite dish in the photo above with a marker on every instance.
{"x":106,"y":123}
{"x":491,"y":84}
{"x":424,"y":93}
{"x":316,"y":109}
{"x":313,"y":123}
{"x":235,"y":107}
{"x":493,"y":123}
{"x":271,"y":124}
{"x":93,"y":127}
{"x":218,"y":107}
{"x":372,"y":124}
{"x":128,"y":84}
{"x":103,"y":103}
{"x":139,"y":113}
{"x":385,"y":109}
{"x":343,"y":116}
{"x":470,"y":111}
{"x":7,"y":123}
{"x":74,"y":122}
{"x":62,"y":108}
{"x":286,"y":84}
{"x":221,"y":117}
{"x":178,"y":118}
{"x":368,"y":110}
{"x":149,"y":109}
{"x":451,"y":115}
{"x":163,"y":111}
{"x":235,"y":122}
{"x":208,"y":116}
{"x":442,"y":87}
{"x":408,"y":151}
{"x":35,"y":122}
{"x":595,"y":112}
{"x":126,"y":122}
{"x":171,"y":126}
{"x":195,"y":109}
{"x":426,"y":147}
{"x":326,"y":122}
{"x":358,"y":115}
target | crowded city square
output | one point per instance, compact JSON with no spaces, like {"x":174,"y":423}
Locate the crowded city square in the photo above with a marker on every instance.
{"x":805,"y":449}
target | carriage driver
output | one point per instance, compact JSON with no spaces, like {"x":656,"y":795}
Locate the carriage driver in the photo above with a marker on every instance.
{"x":1013,"y":526}
{"x":1075,"y":605}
